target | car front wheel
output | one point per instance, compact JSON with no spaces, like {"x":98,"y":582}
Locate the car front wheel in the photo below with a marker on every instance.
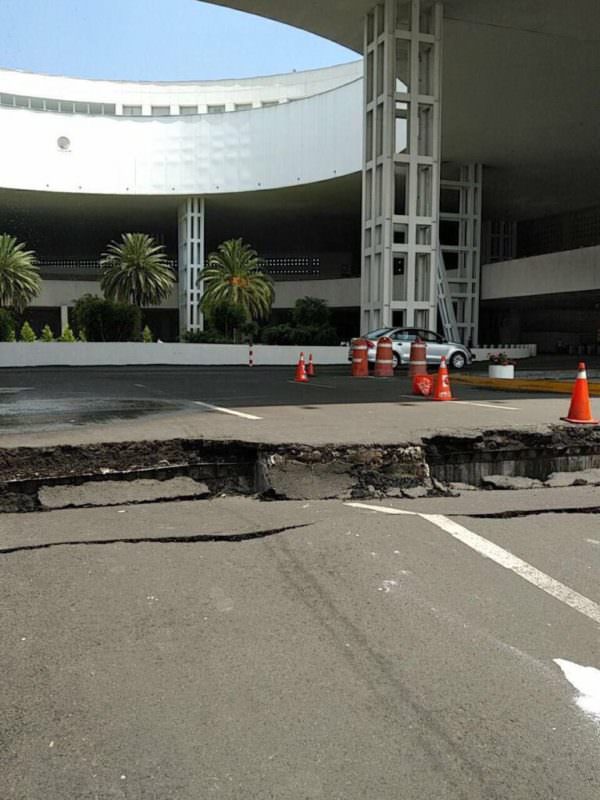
{"x":458,"y":361}
{"x":395,"y":360}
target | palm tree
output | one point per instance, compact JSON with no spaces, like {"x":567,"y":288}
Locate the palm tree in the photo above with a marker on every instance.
{"x":19,"y":276}
{"x":234,"y":276}
{"x":135,"y":270}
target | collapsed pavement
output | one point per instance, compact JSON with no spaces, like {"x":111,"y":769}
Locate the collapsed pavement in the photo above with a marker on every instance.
{"x":47,"y":478}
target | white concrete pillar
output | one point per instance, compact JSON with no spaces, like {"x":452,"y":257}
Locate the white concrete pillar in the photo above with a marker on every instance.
{"x":64,"y":318}
{"x":401,"y":170}
{"x":191,"y":263}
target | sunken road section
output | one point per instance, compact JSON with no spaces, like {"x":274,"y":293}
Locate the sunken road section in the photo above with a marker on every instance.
{"x":46,"y":478}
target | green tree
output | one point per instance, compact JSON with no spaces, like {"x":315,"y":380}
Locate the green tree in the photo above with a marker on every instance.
{"x":135,"y":271}
{"x":67,"y":335}
{"x":7,"y":326}
{"x":311,"y":312}
{"x":19,"y":276}
{"x":233,"y":275}
{"x":27,"y":333}
{"x":47,"y":335}
{"x":147,"y":335}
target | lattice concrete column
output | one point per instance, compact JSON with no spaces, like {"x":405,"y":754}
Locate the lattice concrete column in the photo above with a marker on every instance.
{"x":402,"y":123}
{"x":191,"y":263}
{"x":460,"y":240}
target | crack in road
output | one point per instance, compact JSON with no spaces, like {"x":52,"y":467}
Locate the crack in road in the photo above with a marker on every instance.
{"x":531,"y":512}
{"x":187,"y":539}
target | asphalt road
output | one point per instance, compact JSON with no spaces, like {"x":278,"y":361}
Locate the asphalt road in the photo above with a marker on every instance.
{"x":67,"y":405}
{"x":364,"y":655}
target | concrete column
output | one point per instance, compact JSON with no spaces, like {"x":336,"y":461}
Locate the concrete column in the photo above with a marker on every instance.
{"x":401,"y":170}
{"x":191,"y":263}
{"x":64,"y":318}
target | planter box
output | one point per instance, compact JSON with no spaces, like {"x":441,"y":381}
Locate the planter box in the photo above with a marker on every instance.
{"x":504,"y":371}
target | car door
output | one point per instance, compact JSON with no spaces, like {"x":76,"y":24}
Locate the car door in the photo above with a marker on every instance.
{"x":436,"y":346}
{"x":401,"y":342}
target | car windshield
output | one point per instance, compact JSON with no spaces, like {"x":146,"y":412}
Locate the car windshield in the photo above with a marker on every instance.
{"x":376,"y":334}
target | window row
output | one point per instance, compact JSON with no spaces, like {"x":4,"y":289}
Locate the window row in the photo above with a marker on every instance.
{"x":110,"y":109}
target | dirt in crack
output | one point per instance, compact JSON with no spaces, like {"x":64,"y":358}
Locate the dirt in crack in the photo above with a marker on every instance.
{"x":226,"y":538}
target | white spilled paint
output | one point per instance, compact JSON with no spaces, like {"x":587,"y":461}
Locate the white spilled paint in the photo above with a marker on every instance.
{"x":587,"y":682}
{"x":226,"y":410}
{"x":382,"y":509}
{"x":504,"y":558}
{"x":387,"y":586}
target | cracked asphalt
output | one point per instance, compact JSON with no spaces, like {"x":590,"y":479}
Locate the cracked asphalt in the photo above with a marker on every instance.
{"x":298,"y":650}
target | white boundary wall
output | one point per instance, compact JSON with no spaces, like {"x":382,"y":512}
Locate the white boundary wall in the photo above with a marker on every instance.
{"x":94,"y":354}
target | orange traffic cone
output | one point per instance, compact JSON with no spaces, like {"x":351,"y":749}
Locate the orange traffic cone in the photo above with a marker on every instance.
{"x":442,"y":389}
{"x":310,"y":367}
{"x":301,"y":371}
{"x":580,"y":410}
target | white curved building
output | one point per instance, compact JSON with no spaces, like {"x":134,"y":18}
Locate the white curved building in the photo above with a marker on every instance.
{"x":470,"y":140}
{"x":274,"y":159}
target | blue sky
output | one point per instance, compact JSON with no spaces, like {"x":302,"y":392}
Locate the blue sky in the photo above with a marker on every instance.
{"x":153,"y":40}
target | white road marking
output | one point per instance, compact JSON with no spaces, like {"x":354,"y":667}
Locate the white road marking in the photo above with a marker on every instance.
{"x":587,"y":682}
{"x":315,"y":385}
{"x":505,"y":559}
{"x":484,"y":405}
{"x":139,"y":385}
{"x":381,"y":509}
{"x":417,"y":398}
{"x":509,"y":561}
{"x":14,"y":389}
{"x":226,"y":410}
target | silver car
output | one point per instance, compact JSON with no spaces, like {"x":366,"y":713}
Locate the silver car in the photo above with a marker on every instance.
{"x":457,"y":355}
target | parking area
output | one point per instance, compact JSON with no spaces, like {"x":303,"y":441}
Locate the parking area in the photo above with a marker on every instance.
{"x":73,"y":405}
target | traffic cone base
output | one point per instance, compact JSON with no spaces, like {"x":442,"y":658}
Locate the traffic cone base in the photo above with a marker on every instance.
{"x":580,"y":410}
{"x":301,"y":371}
{"x":442,"y":390}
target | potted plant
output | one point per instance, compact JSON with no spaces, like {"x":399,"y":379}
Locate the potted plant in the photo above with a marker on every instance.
{"x":501,"y":366}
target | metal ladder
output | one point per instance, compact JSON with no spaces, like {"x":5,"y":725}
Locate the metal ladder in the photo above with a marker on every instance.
{"x":444,"y":300}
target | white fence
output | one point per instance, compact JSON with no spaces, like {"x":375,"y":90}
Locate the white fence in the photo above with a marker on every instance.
{"x":513,"y":351}
{"x":96,"y":354}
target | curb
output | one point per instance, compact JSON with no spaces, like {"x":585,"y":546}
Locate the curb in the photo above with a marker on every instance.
{"x":531,"y":385}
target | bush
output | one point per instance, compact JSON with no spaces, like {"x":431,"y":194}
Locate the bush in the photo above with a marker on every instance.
{"x":67,"y":335}
{"x":47,"y":335}
{"x":27,"y":334}
{"x":225,"y":318}
{"x":104,"y":321}
{"x":147,"y":335}
{"x":204,"y":337}
{"x":7,"y":326}
{"x":311,"y":312}
{"x":286,"y":334}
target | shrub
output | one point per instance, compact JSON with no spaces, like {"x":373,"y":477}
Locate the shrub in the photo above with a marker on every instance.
{"x":278,"y":334}
{"x":147,"y":335}
{"x":104,"y":321}
{"x":226,"y":318}
{"x":7,"y":326}
{"x":307,"y":335}
{"x":47,"y":335}
{"x":27,"y":334}
{"x":67,"y":335}
{"x":204,"y":337}
{"x":311,"y":312}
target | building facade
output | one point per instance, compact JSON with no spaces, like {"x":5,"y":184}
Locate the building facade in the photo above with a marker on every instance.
{"x":445,"y":180}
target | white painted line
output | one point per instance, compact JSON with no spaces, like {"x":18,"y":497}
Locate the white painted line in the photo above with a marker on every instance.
{"x":504,"y":558}
{"x":316,"y":385}
{"x":226,"y":410}
{"x":526,"y":571}
{"x":14,"y":389}
{"x":484,"y":405}
{"x":382,"y":509}
{"x":418,"y":399}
